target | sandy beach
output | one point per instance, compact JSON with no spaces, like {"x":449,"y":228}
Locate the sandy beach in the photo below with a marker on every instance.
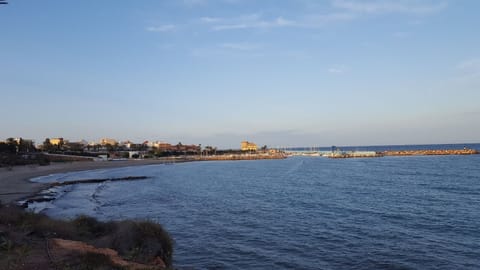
{"x":15,"y":184}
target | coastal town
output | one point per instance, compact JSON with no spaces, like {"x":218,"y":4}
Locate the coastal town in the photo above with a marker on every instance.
{"x":17,"y":192}
{"x":235,"y":134}
{"x":19,"y":151}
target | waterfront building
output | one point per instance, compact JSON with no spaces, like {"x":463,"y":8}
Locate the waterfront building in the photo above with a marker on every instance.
{"x":57,"y":141}
{"x":129,"y":145}
{"x":163,"y":146}
{"x":75,"y":146}
{"x":106,"y":141}
{"x":248,"y":146}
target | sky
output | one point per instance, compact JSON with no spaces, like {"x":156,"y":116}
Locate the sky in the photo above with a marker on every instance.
{"x":216,"y":72}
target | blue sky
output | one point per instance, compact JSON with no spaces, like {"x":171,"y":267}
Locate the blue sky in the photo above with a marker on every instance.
{"x":280,"y":73}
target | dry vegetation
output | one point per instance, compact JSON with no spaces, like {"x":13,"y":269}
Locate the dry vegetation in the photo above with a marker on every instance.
{"x":26,"y":243}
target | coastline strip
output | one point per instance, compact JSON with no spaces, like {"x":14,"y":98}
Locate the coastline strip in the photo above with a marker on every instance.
{"x":42,"y":197}
{"x":97,"y":180}
{"x":15,"y":184}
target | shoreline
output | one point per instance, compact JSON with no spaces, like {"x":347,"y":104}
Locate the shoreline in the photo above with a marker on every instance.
{"x":15,"y":183}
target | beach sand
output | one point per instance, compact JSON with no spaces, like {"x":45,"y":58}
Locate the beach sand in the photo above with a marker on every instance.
{"x":15,"y":184}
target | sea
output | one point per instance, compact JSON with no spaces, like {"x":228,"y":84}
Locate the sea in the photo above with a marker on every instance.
{"x":414,"y":212}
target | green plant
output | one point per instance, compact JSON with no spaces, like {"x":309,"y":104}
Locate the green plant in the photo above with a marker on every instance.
{"x":141,"y":241}
{"x":22,"y":252}
{"x":90,"y":227}
{"x":6,"y":245}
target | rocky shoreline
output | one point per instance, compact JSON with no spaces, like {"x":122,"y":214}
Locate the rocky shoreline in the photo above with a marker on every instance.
{"x":46,"y":195}
{"x":15,"y":184}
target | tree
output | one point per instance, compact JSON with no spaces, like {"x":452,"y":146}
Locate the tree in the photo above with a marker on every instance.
{"x":25,"y":146}
{"x":109,"y":147}
{"x":47,"y":145}
{"x":97,"y":147}
{"x":12,"y":145}
{"x":7,"y":148}
{"x":77,"y":147}
{"x":208,"y":150}
{"x":179,"y":147}
{"x":60,"y":144}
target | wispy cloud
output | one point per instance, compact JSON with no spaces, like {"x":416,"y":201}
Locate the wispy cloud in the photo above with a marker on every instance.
{"x":230,"y":27}
{"x":397,"y":6}
{"x":337,"y":69}
{"x":254,"y":21}
{"x":341,"y":11}
{"x":243,"y":46}
{"x":166,"y":46}
{"x":401,"y":34}
{"x":468,"y":72}
{"x":319,"y":20}
{"x":193,"y":3}
{"x":210,"y":19}
{"x":470,"y":65}
{"x":232,"y":1}
{"x":162,"y":28}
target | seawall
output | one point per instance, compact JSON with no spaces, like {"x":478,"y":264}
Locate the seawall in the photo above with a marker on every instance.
{"x":431,"y":152}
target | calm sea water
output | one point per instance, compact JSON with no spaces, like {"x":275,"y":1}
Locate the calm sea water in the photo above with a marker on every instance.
{"x":300,"y":213}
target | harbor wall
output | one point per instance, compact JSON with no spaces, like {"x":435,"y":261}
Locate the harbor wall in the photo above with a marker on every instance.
{"x":432,"y":152}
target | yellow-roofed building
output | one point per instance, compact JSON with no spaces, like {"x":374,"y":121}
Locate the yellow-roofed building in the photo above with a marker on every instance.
{"x":106,"y":141}
{"x":248,"y":146}
{"x":56,"y":141}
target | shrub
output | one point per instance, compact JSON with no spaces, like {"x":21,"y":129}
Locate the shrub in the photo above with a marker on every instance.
{"x":89,"y":227}
{"x":96,"y":261}
{"x":141,"y":241}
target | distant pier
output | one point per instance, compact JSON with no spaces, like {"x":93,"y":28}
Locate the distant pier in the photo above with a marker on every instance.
{"x":355,"y":154}
{"x":431,"y":152}
{"x":241,"y":157}
{"x":464,"y":151}
{"x":372,"y":154}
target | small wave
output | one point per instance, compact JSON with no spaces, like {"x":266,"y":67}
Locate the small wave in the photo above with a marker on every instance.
{"x":295,"y":167}
{"x":95,"y":197}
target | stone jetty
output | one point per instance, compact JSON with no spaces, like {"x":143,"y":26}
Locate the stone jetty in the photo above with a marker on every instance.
{"x":428,"y":152}
{"x":432,"y":152}
{"x":355,"y":154}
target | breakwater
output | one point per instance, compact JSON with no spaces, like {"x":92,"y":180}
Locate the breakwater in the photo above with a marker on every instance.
{"x":431,"y":152}
{"x":242,"y":157}
{"x":428,"y":152}
{"x":355,"y":154}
